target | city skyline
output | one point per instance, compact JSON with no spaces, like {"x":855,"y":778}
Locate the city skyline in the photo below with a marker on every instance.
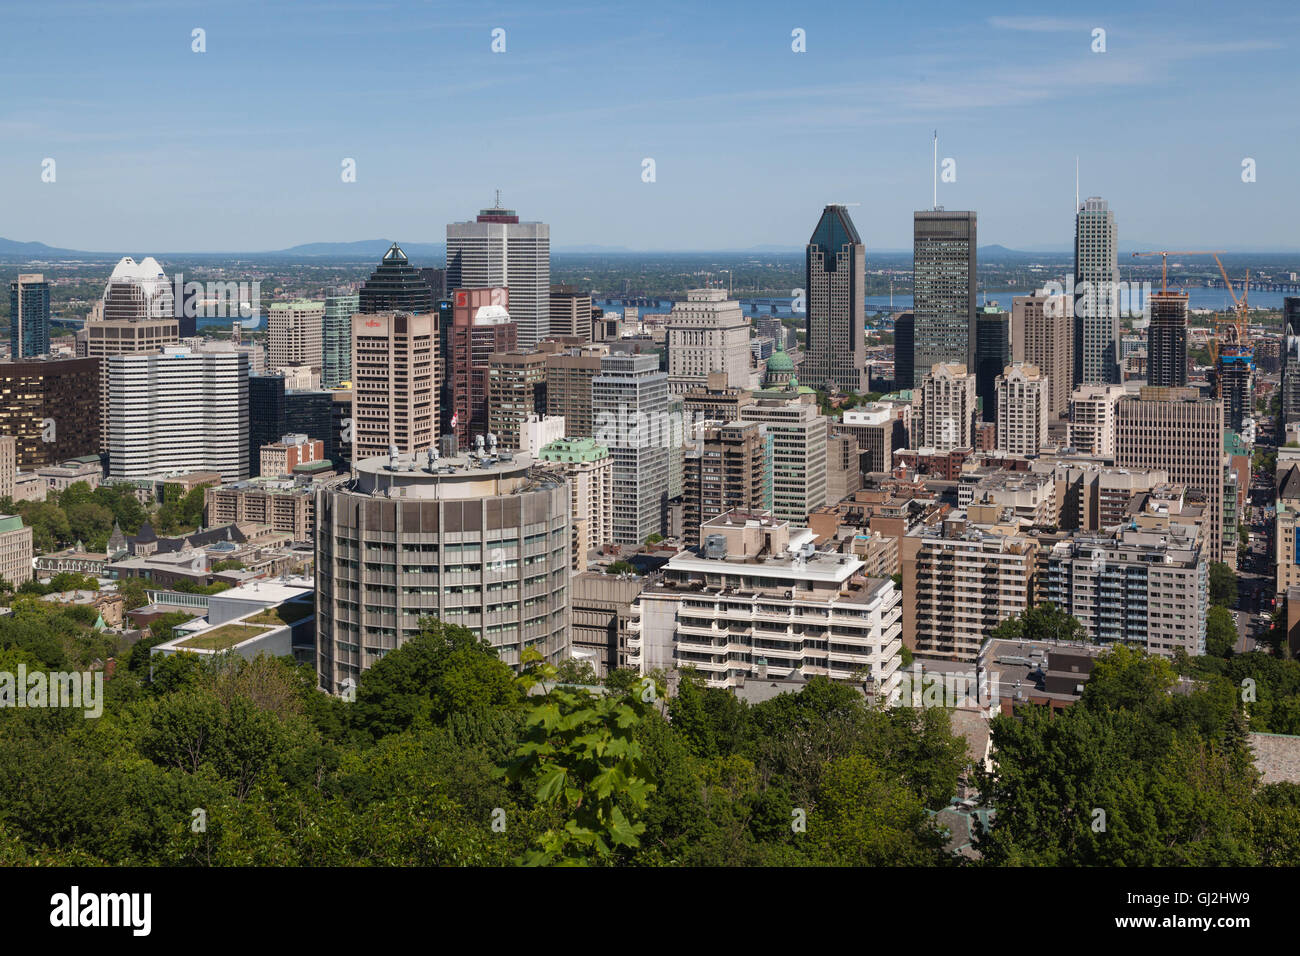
{"x":592,"y":99}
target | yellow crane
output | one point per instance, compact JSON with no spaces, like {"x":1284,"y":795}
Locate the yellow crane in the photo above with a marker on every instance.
{"x":1237,"y":329}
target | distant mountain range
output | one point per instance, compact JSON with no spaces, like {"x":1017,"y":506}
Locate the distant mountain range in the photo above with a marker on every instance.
{"x":422,"y":253}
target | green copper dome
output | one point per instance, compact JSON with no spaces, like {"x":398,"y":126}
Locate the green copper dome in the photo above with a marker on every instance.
{"x":780,"y":362}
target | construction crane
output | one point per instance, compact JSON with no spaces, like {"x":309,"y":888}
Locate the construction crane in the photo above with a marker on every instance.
{"x":1164,"y":255}
{"x":1235,"y":330}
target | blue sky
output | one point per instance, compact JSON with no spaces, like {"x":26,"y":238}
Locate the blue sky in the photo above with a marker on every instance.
{"x":240,"y":148}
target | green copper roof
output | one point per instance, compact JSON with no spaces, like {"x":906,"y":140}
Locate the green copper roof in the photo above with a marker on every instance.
{"x":10,"y":523}
{"x":569,"y":450}
{"x":780,"y":361}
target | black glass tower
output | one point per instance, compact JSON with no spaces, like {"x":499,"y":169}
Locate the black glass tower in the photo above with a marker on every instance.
{"x":266,"y":420}
{"x":396,"y":286}
{"x":904,"y":346}
{"x":992,"y":355}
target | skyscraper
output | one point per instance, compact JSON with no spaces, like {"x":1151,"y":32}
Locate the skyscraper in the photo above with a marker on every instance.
{"x":1096,"y":306}
{"x":294,"y":333}
{"x":992,"y":355}
{"x":798,"y":432}
{"x":1021,"y":409}
{"x":336,"y":338}
{"x":29,"y":316}
{"x":904,"y":351}
{"x":707,"y":333}
{"x":137,"y":314}
{"x":943,"y":408}
{"x":394,"y":402}
{"x":1167,"y":339}
{"x":1175,"y":431}
{"x":570,"y":312}
{"x":178,"y":410}
{"x":729,"y":469}
{"x":835,"y":276}
{"x":497,"y":250}
{"x":630,"y":401}
{"x":1290,"y":359}
{"x":51,"y":408}
{"x":482,"y":326}
{"x":943,"y":289}
{"x":1042,"y":334}
{"x":516,"y":391}
{"x":396,"y":286}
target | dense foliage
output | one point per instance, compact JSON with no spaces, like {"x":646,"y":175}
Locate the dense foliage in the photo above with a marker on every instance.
{"x":447,"y":757}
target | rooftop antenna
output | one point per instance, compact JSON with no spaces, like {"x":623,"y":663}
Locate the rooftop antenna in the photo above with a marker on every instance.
{"x":498,"y":205}
{"x":936,"y":169}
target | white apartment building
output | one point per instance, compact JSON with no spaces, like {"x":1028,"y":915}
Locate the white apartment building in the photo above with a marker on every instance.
{"x":178,"y":411}
{"x":758,"y":599}
{"x":944,"y":408}
{"x":1092,"y":419}
{"x":707,"y":333}
{"x":589,"y":470}
{"x":1023,"y":394}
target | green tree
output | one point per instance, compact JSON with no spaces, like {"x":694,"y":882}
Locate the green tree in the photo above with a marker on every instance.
{"x":1220,"y":632}
{"x":1223,"y":584}
{"x":580,"y":755}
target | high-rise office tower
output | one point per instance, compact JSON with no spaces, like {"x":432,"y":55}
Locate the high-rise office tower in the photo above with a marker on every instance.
{"x":396,"y":286}
{"x":266,"y":415}
{"x":1290,"y":359}
{"x":336,"y":338}
{"x":570,"y":312}
{"x":178,"y":410}
{"x":437,"y":280}
{"x":1176,"y":431}
{"x":630,"y":401}
{"x":310,"y":412}
{"x":992,"y":355}
{"x":294,"y":334}
{"x":51,"y":408}
{"x":1096,"y":306}
{"x":516,"y":390}
{"x":835,"y":283}
{"x":943,"y":289}
{"x":728,"y":469}
{"x":707,"y":333}
{"x":29,"y":316}
{"x":481,"y":326}
{"x":568,"y":387}
{"x":137,"y":314}
{"x":394,"y":402}
{"x":943,"y":408}
{"x":1022,"y":391}
{"x":1042,"y":334}
{"x":798,"y":432}
{"x":1167,"y":340}
{"x":904,"y":351}
{"x":496,"y":249}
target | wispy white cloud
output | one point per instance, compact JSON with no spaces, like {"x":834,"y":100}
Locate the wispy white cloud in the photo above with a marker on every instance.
{"x":1040,"y":24}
